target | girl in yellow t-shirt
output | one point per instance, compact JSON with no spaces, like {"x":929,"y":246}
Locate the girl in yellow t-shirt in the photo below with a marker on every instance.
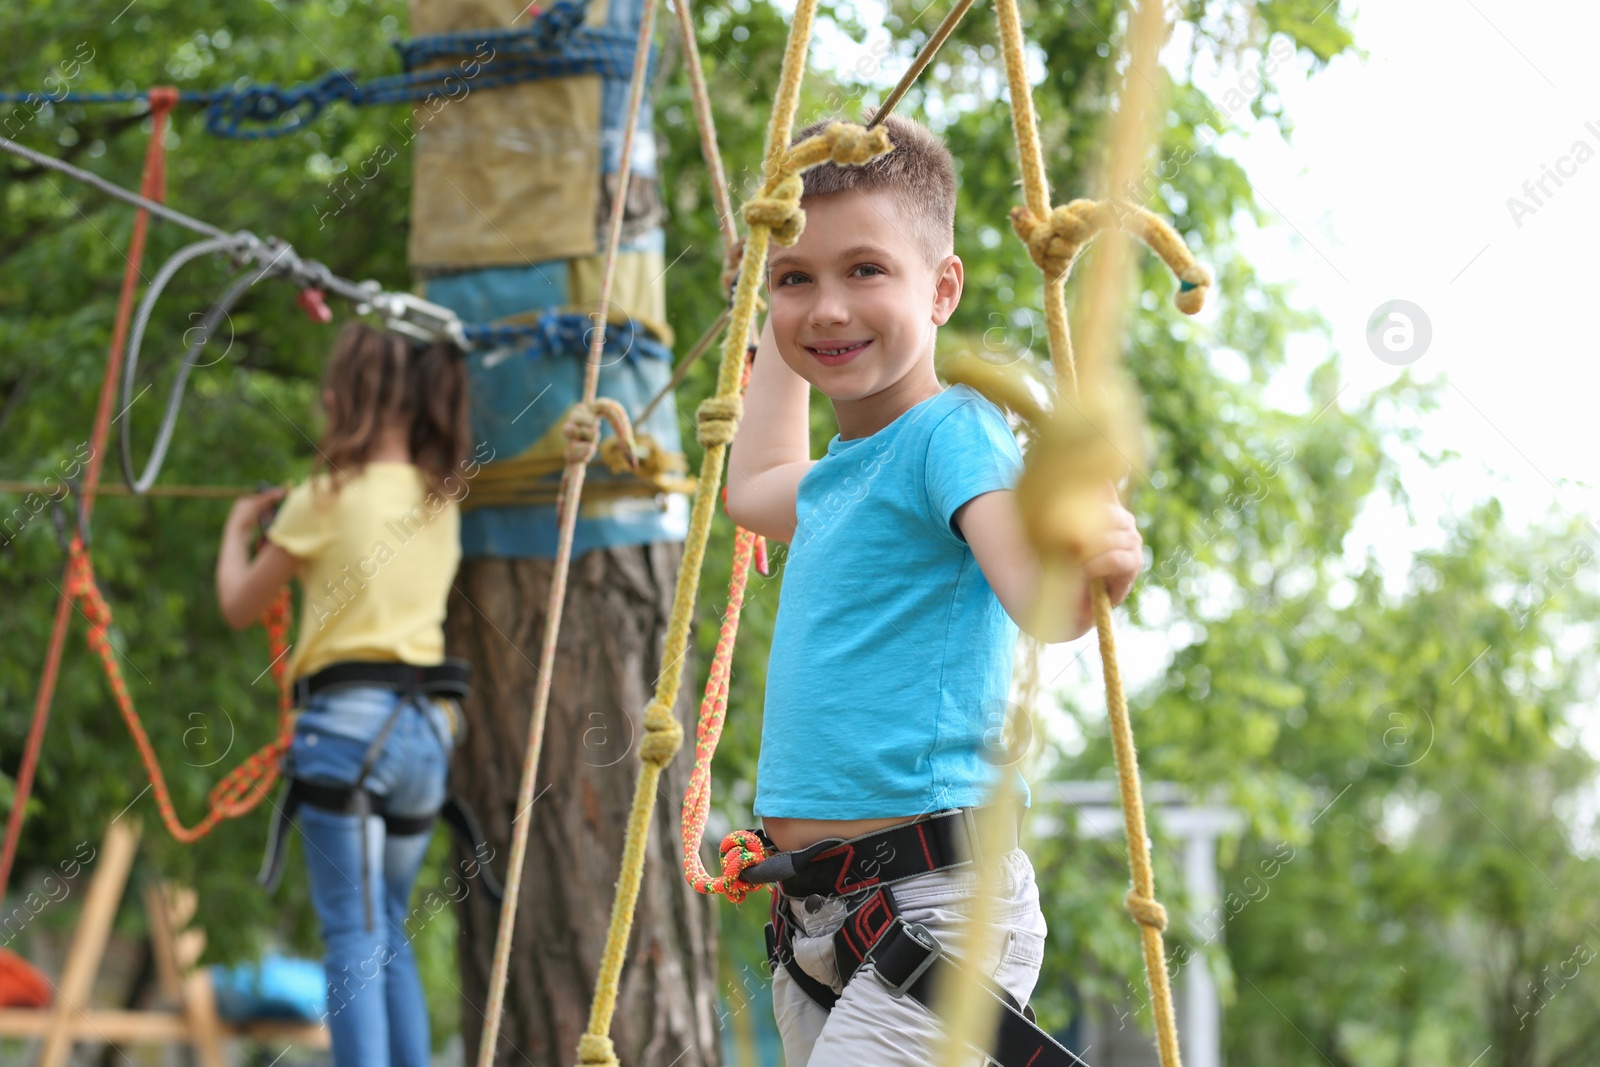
{"x":373,"y":537}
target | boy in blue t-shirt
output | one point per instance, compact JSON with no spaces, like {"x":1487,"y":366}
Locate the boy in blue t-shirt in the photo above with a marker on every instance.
{"x":897,"y":623}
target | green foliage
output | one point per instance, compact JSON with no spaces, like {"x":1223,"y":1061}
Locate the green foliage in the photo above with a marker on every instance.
{"x":1429,"y":883}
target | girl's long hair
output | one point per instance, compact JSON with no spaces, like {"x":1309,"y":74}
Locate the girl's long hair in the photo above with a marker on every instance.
{"x":378,"y":376}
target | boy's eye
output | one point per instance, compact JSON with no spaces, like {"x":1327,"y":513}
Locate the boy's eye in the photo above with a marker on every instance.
{"x":867,"y":270}
{"x":794,"y":277}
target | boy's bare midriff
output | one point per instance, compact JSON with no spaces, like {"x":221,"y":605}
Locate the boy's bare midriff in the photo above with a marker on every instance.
{"x":791,"y":834}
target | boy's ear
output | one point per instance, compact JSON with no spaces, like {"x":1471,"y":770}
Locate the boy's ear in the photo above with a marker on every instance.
{"x":947,"y":281}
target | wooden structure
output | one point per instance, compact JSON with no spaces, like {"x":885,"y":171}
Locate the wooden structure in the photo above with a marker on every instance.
{"x":192,"y":1020}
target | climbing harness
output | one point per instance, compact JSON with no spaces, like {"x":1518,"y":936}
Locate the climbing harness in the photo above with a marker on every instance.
{"x":910,"y":961}
{"x":905,"y":957}
{"x":412,"y":683}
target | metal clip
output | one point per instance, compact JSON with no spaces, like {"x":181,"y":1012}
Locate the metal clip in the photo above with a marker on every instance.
{"x":418,"y":318}
{"x":924,"y":939}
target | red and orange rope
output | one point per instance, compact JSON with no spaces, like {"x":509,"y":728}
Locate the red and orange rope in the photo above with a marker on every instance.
{"x":242,"y":789}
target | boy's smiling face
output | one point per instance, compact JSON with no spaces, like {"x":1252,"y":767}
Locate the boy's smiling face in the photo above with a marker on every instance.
{"x":855,"y":302}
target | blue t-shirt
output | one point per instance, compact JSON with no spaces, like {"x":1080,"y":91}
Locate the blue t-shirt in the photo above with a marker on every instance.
{"x":891,"y":655}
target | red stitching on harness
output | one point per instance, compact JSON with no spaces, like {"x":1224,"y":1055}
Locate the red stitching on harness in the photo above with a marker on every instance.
{"x":864,"y":916}
{"x":839,"y":886}
{"x":1036,"y":1055}
{"x":922,"y":835}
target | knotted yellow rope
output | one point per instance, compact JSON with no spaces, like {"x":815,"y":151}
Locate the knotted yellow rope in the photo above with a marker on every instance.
{"x":774,"y":214}
{"x":582,"y":432}
{"x":1091,"y":436}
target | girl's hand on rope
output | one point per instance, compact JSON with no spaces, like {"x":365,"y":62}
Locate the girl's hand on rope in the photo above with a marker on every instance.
{"x":245,"y":585}
{"x":1115,"y":553}
{"x":245,"y":517}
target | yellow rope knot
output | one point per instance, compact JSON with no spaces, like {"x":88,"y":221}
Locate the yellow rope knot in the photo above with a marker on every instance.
{"x":1146,"y":911}
{"x":1078,"y":451}
{"x":663,"y":735}
{"x":1055,"y":242}
{"x":596,"y":1050}
{"x":582,"y":430}
{"x":717,"y":419}
{"x":777,"y":208}
{"x":850,"y":145}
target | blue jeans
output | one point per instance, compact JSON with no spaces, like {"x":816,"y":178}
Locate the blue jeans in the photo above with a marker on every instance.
{"x":376,"y":1013}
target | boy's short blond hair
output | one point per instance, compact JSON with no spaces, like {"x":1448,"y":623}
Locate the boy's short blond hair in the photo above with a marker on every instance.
{"x":919,"y":173}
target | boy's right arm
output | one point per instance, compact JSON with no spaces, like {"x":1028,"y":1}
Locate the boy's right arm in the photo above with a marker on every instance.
{"x":771,"y":451}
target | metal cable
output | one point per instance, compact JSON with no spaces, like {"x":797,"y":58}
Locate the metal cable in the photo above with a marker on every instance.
{"x":169,"y":419}
{"x":110,"y":188}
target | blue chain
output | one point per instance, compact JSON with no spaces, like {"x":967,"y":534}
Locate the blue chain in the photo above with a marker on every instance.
{"x":555,"y":45}
{"x":566,"y":333}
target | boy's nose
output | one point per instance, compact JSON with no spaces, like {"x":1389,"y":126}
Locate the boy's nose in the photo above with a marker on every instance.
{"x":829,"y":308}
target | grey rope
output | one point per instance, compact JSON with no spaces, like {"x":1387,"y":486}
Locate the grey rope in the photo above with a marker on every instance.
{"x":142,"y":483}
{"x":408,"y":314}
{"x":109,"y":188}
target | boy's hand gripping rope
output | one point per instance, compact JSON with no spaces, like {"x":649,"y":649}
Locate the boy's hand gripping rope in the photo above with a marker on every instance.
{"x":1094,"y":432}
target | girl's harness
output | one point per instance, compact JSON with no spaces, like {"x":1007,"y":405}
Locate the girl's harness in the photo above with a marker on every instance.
{"x":448,"y":679}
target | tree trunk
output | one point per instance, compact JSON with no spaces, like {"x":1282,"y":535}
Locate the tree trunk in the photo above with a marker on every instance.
{"x":608,"y":658}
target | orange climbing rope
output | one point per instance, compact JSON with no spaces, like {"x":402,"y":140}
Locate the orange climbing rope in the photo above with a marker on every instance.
{"x":152,"y":187}
{"x":242,"y":789}
{"x":742,"y":848}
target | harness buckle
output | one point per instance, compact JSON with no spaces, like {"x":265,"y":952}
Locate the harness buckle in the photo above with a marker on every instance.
{"x":922,"y":938}
{"x":781,"y":866}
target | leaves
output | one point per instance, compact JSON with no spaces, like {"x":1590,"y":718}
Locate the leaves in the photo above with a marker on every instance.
{"x":1406,"y":738}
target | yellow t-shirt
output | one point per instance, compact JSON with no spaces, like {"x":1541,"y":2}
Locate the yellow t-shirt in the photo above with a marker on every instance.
{"x":376,"y":563}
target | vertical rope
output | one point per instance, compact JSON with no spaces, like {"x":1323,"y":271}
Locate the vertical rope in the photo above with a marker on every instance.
{"x":774,"y":214}
{"x":582,"y":433}
{"x":152,"y":187}
{"x":1036,"y":189}
{"x":1108,"y":288}
{"x":705,"y":123}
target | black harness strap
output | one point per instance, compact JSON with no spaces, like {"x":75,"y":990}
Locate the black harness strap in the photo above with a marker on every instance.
{"x":450,"y":678}
{"x":840,"y":868}
{"x":780,"y":951}
{"x":338,"y":798}
{"x":908,"y":958}
{"x":352,"y":798}
{"x":905,"y":956}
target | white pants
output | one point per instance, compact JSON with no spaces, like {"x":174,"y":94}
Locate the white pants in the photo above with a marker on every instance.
{"x":871,"y":1027}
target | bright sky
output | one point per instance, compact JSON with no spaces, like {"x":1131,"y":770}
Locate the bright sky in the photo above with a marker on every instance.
{"x":1395,"y":186}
